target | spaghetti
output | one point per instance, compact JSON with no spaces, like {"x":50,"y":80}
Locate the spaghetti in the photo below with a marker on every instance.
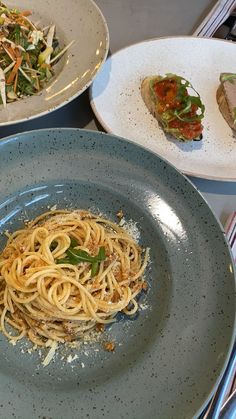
{"x":65,"y":273}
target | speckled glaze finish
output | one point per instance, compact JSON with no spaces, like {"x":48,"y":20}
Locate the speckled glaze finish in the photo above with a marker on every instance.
{"x":200,"y":61}
{"x":79,"y":20}
{"x":169,"y":359}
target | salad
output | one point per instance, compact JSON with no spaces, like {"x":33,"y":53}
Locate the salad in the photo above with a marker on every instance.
{"x":27,"y":54}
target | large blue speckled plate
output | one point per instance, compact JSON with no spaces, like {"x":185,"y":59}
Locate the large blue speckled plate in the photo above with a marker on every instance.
{"x":168,"y":360}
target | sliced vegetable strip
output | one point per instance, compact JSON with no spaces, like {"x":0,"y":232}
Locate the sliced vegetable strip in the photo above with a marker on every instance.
{"x":14,"y":71}
{"x":2,"y":87}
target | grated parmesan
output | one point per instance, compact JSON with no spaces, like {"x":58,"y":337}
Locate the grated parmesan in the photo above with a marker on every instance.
{"x":53,"y":208}
{"x":131,"y":228}
{"x":71,"y":358}
{"x":50,"y":354}
{"x":144,"y":306}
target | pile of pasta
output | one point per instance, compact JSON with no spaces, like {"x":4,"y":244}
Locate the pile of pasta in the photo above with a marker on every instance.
{"x":65,"y":273}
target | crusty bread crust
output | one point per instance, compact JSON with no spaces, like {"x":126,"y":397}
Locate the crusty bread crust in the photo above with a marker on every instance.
{"x":151,"y":105}
{"x":145,"y":92}
{"x":224,"y":107}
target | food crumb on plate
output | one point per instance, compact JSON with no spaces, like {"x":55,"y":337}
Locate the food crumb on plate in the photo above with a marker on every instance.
{"x":109,"y":346}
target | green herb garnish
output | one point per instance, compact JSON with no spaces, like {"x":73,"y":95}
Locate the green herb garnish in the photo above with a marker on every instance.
{"x":228,"y":77}
{"x":73,"y":242}
{"x":183,"y":97}
{"x":94,"y":269}
{"x":76,"y":256}
{"x":234,"y":115}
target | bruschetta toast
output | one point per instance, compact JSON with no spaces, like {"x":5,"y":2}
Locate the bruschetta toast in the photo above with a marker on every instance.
{"x":171,"y":102}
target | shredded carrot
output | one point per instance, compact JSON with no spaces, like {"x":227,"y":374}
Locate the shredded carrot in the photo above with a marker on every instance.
{"x":17,"y":52}
{"x":26,"y":13}
{"x":14,"y":70}
{"x":23,"y":22}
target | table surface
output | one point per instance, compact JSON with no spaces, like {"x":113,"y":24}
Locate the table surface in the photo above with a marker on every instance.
{"x":131,"y":21}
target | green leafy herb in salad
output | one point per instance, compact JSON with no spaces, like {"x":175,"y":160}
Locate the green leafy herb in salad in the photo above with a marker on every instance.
{"x":27,"y":54}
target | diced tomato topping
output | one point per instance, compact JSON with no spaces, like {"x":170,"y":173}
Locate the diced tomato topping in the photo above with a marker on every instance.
{"x":188,"y":129}
{"x":167,"y":93}
{"x":166,"y":90}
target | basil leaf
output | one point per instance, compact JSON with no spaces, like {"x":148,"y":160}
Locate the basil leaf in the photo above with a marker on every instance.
{"x":73,"y":242}
{"x":94,"y":269}
{"x":80,"y":255}
{"x":76,"y":256}
{"x":65,"y":260}
{"x":101,"y":254}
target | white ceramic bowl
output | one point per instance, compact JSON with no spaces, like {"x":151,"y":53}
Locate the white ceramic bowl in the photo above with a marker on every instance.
{"x":79,"y":20}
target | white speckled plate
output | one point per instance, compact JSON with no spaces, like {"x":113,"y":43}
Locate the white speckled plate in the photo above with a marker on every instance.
{"x":79,"y":20}
{"x":117,"y":103}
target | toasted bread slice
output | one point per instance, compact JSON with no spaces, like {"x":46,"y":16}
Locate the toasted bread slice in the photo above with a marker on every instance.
{"x":145,"y":92}
{"x":152,"y":102}
{"x":226,"y":98}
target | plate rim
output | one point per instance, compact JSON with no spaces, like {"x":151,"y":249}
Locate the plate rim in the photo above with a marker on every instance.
{"x":109,"y":130}
{"x":14,"y":137}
